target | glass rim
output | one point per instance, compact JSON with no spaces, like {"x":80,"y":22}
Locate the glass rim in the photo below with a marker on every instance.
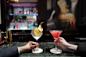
{"x":56,"y":30}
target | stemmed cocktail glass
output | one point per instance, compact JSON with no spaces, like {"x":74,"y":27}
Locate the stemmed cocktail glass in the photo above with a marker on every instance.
{"x":36,"y":34}
{"x":56,"y":34}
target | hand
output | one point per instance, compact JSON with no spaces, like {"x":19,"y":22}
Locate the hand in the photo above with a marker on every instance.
{"x":29,"y":46}
{"x":64,"y":45}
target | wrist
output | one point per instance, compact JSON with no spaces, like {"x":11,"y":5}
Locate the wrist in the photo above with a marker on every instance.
{"x":72,"y":47}
{"x":21,"y":49}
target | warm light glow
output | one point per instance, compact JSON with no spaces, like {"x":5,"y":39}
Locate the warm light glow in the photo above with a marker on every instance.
{"x":15,"y":0}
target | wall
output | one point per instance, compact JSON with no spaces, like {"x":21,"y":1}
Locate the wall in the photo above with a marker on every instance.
{"x":49,"y":4}
{"x":0,"y":13}
{"x":25,"y":0}
{"x":28,"y":0}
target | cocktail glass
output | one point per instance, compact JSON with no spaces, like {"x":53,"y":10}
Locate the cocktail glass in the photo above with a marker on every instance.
{"x":37,"y":49}
{"x":56,"y":34}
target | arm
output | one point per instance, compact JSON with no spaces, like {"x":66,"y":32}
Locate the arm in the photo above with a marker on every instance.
{"x":65,"y":46}
{"x":15,"y":51}
{"x":9,"y":52}
{"x":81,"y":49}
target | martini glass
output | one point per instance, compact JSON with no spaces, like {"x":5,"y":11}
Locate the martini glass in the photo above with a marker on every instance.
{"x":37,"y":49}
{"x":56,"y":34}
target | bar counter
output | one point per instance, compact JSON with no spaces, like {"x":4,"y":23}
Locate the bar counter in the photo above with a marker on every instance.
{"x":46,"y":46}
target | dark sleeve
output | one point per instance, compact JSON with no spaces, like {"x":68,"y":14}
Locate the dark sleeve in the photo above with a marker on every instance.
{"x":9,"y":52}
{"x":81,"y":50}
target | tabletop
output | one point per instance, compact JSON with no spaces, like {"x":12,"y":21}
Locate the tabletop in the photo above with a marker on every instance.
{"x":46,"y":46}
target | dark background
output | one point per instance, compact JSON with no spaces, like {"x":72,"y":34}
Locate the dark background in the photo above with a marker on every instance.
{"x":80,"y":21}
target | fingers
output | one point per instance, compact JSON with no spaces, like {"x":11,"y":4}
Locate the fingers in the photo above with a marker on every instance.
{"x":59,"y":40}
{"x":33,"y":46}
{"x":33,"y":43}
{"x":56,"y":41}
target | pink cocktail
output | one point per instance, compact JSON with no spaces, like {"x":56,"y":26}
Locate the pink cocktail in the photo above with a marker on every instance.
{"x":55,"y":33}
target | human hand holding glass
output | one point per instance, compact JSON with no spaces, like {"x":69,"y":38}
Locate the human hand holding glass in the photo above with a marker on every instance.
{"x":56,"y":34}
